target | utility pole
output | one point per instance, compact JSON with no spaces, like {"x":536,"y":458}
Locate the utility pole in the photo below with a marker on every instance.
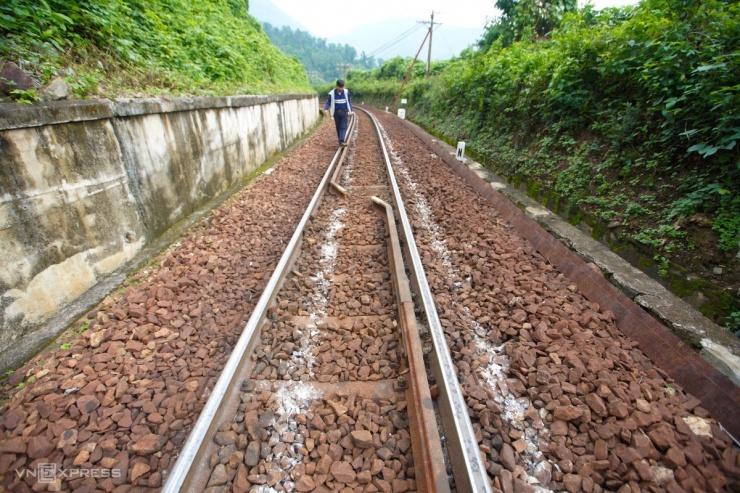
{"x":408,"y":72}
{"x":343,"y":67}
{"x":431,"y":29}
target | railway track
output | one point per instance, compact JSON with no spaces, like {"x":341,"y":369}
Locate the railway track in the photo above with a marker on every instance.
{"x":327,"y":387}
{"x":409,"y":339}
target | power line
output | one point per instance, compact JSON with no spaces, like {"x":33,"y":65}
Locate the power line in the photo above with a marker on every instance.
{"x":396,"y":40}
{"x":447,"y":43}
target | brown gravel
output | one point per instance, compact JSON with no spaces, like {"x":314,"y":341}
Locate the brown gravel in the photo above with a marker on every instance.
{"x":125,"y":392}
{"x":560,"y":399}
{"x":294,"y":437}
{"x":347,"y":349}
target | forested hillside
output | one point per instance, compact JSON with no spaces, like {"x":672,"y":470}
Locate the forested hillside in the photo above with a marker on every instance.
{"x":321,"y":59}
{"x":629,"y":118}
{"x":145,"y":47}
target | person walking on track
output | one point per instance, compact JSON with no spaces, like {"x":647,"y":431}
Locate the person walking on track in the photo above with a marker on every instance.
{"x":339,"y":105}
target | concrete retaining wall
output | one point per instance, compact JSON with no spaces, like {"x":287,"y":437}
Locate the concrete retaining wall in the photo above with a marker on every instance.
{"x":85,"y":185}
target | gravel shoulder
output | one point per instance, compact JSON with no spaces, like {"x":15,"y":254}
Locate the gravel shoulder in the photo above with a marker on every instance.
{"x":560,"y":398}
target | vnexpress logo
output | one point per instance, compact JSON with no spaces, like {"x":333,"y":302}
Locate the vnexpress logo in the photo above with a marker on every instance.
{"x":47,"y":473}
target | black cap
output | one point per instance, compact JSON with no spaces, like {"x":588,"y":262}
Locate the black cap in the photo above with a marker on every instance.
{"x":340,"y":83}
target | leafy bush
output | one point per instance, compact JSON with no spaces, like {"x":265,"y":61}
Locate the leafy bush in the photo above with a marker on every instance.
{"x":206,"y":47}
{"x":525,"y":19}
{"x":646,"y":98}
{"x":27,"y":96}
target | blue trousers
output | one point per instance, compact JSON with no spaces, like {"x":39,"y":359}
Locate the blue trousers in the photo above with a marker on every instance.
{"x":340,"y":120}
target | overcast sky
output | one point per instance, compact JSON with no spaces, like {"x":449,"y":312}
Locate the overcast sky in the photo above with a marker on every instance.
{"x":327,"y":18}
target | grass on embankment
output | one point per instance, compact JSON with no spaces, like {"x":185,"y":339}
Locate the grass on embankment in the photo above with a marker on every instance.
{"x":136,"y":48}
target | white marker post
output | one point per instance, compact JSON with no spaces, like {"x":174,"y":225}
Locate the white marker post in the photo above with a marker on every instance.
{"x":402,"y":113}
{"x":460,"y":156}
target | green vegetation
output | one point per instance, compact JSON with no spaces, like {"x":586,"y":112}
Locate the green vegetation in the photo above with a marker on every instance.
{"x":83,"y":327}
{"x":136,"y":47}
{"x":27,"y":96}
{"x":319,"y":58}
{"x":631,"y":114}
{"x":733,"y":321}
{"x":522,"y":19}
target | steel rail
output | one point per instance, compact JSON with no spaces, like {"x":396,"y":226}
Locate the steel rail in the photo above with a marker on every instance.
{"x":182,"y":472}
{"x":431,"y":475}
{"x":468,"y":468}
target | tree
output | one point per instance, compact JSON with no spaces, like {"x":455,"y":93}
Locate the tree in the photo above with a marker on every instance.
{"x":366,"y":62}
{"x":523,"y":18}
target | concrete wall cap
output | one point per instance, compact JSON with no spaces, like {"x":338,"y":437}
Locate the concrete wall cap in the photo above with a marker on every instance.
{"x":16,"y":115}
{"x":721,"y":356}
